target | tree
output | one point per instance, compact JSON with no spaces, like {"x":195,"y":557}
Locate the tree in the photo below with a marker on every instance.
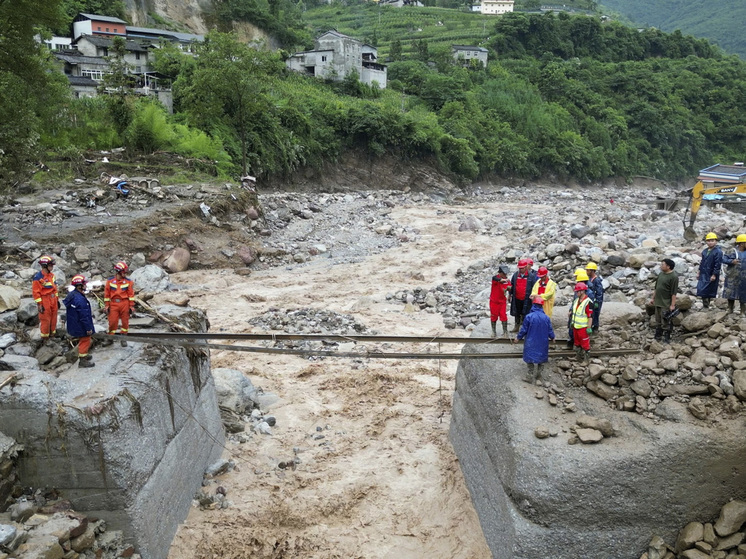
{"x":395,"y":50}
{"x":30,"y":89}
{"x":227,"y":88}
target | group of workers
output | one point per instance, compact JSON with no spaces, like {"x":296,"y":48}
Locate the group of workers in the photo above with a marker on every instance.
{"x":531,"y":295}
{"x":710,"y":267}
{"x":119,"y":305}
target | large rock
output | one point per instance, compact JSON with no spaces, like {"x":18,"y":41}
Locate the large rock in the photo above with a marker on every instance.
{"x":731,"y":348}
{"x":150,"y":278}
{"x":177,"y":260}
{"x":10,"y":299}
{"x":689,"y":535}
{"x":698,"y":321}
{"x":732,"y":517}
{"x":234,"y":390}
{"x":739,"y":384}
{"x":27,"y":310}
{"x":536,"y":495}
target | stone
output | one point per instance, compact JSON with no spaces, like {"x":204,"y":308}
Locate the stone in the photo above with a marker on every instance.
{"x":10,"y":299}
{"x":541,"y":432}
{"x":608,"y":378}
{"x":82,"y":254}
{"x":602,"y":425}
{"x":708,"y":534}
{"x":729,"y":542}
{"x":670,"y":364}
{"x":234,"y":390}
{"x":7,"y":340}
{"x":10,"y":362}
{"x":657,"y":549}
{"x":45,"y":354}
{"x":739,"y":384}
{"x":579,"y":231}
{"x":471,"y":223}
{"x":731,"y":348}
{"x":595,"y":371}
{"x":616,"y":259}
{"x":684,"y":302}
{"x":27,"y":310}
{"x":694,"y":554}
{"x":688,"y":536}
{"x":7,"y":534}
{"x":697,"y":321}
{"x":602,"y":390}
{"x":716,"y":330}
{"x":21,"y":511}
{"x":589,"y":436}
{"x":177,"y":260}
{"x":84,"y":541}
{"x":641,"y":387}
{"x":732,"y":517}
{"x":247,"y":254}
{"x":150,"y":278}
{"x":41,"y":547}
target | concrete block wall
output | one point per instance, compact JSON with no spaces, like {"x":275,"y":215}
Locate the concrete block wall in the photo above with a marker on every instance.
{"x":127,"y":440}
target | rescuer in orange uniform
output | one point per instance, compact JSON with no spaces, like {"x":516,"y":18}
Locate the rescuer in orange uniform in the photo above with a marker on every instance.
{"x":44,"y":291}
{"x":119,"y":300}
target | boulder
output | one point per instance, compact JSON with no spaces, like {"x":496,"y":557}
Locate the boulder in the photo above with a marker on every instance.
{"x":688,"y":536}
{"x":731,"y":348}
{"x":694,"y":554}
{"x":602,"y":390}
{"x":10,"y":299}
{"x":580,"y":231}
{"x":177,"y":260}
{"x":194,"y":319}
{"x":739,"y":384}
{"x":471,"y":223}
{"x":589,"y":436}
{"x":150,"y":278}
{"x":27,"y":311}
{"x":246,"y":254}
{"x":82,"y":254}
{"x":732,"y":517}
{"x":641,"y":387}
{"x":602,"y":425}
{"x":698,"y":321}
{"x":234,"y":390}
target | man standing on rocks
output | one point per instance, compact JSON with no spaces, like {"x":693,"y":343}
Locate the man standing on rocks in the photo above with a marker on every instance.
{"x":735,"y":275}
{"x":708,"y":276}
{"x":522,"y":283}
{"x":664,"y":298}
{"x":44,"y":291}
{"x":537,"y":330}
{"x":80,"y":319}
{"x":580,"y":312}
{"x":499,"y":296}
{"x":545,"y":288}
{"x":119,"y":300}
{"x":595,"y":285}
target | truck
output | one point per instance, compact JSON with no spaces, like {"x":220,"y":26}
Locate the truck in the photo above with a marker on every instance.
{"x":719,"y":184}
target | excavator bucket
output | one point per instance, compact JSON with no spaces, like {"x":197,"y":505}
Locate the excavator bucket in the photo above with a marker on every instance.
{"x":690,"y":234}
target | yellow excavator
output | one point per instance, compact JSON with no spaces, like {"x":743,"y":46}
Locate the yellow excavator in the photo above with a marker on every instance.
{"x":722,"y":184}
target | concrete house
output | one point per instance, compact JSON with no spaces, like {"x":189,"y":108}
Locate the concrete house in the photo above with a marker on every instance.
{"x":464,"y":54}
{"x":497,"y":7}
{"x":92,"y":24}
{"x":337,"y":55}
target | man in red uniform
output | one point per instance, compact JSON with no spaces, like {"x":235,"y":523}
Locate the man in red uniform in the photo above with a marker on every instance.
{"x":522,"y":283}
{"x":119,"y":300}
{"x":499,"y":296}
{"x":44,"y":291}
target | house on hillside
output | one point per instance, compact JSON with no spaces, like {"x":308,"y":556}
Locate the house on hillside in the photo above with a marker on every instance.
{"x":497,"y":7}
{"x":336,"y":56}
{"x":92,"y":24}
{"x":464,"y":54}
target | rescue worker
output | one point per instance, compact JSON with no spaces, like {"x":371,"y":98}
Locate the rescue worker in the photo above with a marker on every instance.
{"x":546,"y":288}
{"x":595,"y":285}
{"x":708,"y":276}
{"x":580,"y":311}
{"x":522,"y":283}
{"x":80,"y":320}
{"x":119,"y":300}
{"x":735,"y":275}
{"x":499,"y":296}
{"x":580,"y":276}
{"x":44,"y":291}
{"x":537,"y":329}
{"x":664,"y":298}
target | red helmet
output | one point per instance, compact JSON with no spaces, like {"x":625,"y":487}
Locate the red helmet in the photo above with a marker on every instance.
{"x":46,"y":260}
{"x":121,"y":266}
{"x":522,"y":263}
{"x":529,"y":262}
{"x":542,"y":272}
{"x":580,"y":286}
{"x":538,"y":300}
{"x":79,"y":280}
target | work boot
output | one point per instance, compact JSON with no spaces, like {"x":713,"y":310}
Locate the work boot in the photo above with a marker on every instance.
{"x":86,"y":362}
{"x":529,"y":378}
{"x":517,"y":325}
{"x":667,"y":337}
{"x":658,"y":333}
{"x":505,"y":330}
{"x":123,"y":343}
{"x":579,"y":353}
{"x":587,"y":356}
{"x":570,"y":343}
{"x":494,"y":329}
{"x":706,"y":303}
{"x":731,"y":304}
{"x":742,"y":308}
{"x":539,"y":371}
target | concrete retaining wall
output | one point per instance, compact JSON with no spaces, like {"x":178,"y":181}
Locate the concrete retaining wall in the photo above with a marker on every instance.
{"x":539,"y":498}
{"x":127,"y":440}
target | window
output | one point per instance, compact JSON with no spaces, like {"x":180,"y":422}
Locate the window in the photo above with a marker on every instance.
{"x":95,"y":75}
{"x":137,"y":56}
{"x":138,"y":69}
{"x":323,"y":59}
{"x":104,"y":51}
{"x":99,"y":28}
{"x":107,"y":29}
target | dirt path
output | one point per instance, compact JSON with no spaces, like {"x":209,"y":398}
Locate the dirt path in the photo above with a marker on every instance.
{"x":383,"y":481}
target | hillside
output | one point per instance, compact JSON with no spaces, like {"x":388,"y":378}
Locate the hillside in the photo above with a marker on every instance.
{"x":719,"y":20}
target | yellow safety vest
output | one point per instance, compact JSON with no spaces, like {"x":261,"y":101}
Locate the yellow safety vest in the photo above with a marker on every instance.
{"x":579,"y":318}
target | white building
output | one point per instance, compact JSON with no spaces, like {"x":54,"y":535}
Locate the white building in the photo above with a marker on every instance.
{"x":337,"y":55}
{"x":497,"y":7}
{"x":464,"y":54}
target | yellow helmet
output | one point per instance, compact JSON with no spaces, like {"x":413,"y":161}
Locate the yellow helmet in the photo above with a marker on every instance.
{"x":591,"y":266}
{"x":711,"y":236}
{"x":580,"y":275}
{"x":741,"y":238}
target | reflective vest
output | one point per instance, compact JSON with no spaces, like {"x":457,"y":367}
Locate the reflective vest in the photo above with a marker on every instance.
{"x":579,"y":316}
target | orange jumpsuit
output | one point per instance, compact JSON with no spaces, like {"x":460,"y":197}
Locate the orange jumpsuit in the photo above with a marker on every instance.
{"x":119,"y":298}
{"x":44,"y":290}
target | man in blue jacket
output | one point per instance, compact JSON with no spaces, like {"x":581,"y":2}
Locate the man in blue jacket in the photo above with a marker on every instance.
{"x":80,"y":319}
{"x":708,"y":276}
{"x":537,"y":330}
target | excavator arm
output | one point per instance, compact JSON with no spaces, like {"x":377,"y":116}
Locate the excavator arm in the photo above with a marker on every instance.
{"x":695,"y":201}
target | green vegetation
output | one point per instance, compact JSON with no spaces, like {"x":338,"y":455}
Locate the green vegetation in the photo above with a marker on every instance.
{"x":718,"y":21}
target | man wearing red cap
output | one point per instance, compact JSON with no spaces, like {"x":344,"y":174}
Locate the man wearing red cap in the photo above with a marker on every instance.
{"x":119,"y":300}
{"x":580,"y":313}
{"x":499,"y":295}
{"x":537,"y":329}
{"x":546,"y":289}
{"x":522,"y":283}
